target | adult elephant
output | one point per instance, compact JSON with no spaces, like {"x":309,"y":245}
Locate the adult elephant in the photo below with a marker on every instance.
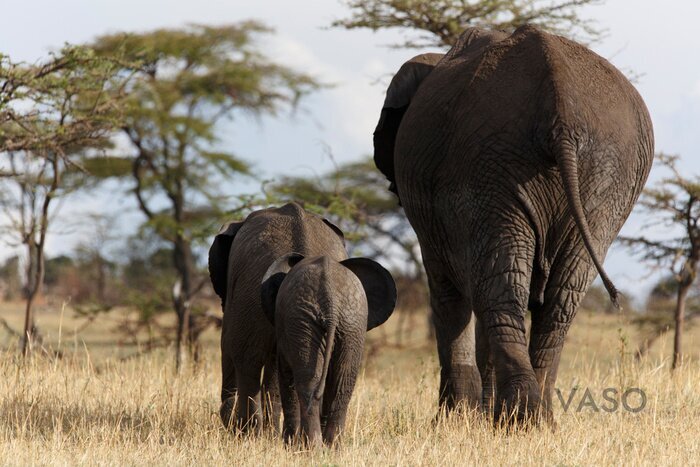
{"x":238,"y":259}
{"x":517,"y":159}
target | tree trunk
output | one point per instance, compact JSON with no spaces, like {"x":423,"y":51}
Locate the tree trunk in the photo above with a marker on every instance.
{"x":36,"y":254}
{"x":101,"y":279}
{"x":683,"y":289}
{"x":28,"y":336}
{"x":35,"y":277}
{"x":183,"y":316}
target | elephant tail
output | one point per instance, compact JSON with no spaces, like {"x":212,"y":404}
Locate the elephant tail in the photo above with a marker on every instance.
{"x":567,"y":161}
{"x":328,"y":353}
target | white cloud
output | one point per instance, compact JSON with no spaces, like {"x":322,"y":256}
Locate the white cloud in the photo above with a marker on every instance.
{"x":292,"y":53}
{"x":358,"y":100}
{"x":351,"y":107}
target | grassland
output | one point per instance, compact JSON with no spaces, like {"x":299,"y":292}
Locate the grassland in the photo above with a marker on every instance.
{"x":92,"y":407}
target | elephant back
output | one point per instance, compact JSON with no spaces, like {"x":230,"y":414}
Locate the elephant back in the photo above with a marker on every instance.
{"x":268,"y":234}
{"x":242,"y":250}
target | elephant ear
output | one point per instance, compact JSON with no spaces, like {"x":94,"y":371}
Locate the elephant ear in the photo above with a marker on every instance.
{"x":335,"y":229}
{"x":379,"y":287}
{"x":403,"y":86}
{"x":272,"y":280}
{"x":218,"y":258}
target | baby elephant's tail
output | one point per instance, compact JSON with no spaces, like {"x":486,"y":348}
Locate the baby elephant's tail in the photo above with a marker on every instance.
{"x":328,"y":352}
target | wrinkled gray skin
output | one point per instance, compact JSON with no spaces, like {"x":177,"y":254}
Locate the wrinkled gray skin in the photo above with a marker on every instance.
{"x":517,"y":160}
{"x":238,"y":258}
{"x":321,"y":310}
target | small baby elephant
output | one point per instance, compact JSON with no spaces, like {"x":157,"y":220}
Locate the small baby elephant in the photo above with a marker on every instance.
{"x":321,"y":310}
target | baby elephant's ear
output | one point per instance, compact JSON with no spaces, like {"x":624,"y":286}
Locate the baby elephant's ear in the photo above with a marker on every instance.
{"x":272,"y":280}
{"x":379,"y":287}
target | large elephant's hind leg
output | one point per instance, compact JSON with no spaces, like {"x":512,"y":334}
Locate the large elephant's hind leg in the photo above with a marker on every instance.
{"x":567,"y":284}
{"x":270,"y":394}
{"x":484,"y":361}
{"x":501,"y":292}
{"x":248,"y":407}
{"x":228,"y":391}
{"x":460,"y":382}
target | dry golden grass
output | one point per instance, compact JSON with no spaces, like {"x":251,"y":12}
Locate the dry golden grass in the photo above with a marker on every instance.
{"x":91,"y":408}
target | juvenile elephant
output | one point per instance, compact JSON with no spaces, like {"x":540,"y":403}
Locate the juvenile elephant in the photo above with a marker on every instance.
{"x":238,"y":258}
{"x":321,"y":310}
{"x":517,"y":159}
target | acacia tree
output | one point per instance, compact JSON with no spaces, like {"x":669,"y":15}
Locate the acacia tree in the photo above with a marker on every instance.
{"x":674,"y":202}
{"x":51,"y":116}
{"x":444,"y":20}
{"x":188,"y":81}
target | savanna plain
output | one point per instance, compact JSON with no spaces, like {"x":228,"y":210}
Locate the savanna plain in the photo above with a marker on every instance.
{"x":91,"y":401}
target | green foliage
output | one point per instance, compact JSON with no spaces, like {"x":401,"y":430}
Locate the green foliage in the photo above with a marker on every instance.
{"x":55,"y":267}
{"x":69,"y":103}
{"x":107,"y":166}
{"x":188,"y":80}
{"x":148,"y":277}
{"x":442,"y":21}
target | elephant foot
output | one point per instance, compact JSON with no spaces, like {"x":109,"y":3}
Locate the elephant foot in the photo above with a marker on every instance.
{"x":290,"y":437}
{"x":226,"y":413}
{"x":331,"y":435}
{"x":311,"y":435}
{"x":520,"y":406}
{"x":290,"y":430}
{"x":237,"y":423}
{"x":460,"y":388}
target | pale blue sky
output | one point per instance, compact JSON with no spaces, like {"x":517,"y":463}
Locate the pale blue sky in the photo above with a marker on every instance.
{"x":655,"y":39}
